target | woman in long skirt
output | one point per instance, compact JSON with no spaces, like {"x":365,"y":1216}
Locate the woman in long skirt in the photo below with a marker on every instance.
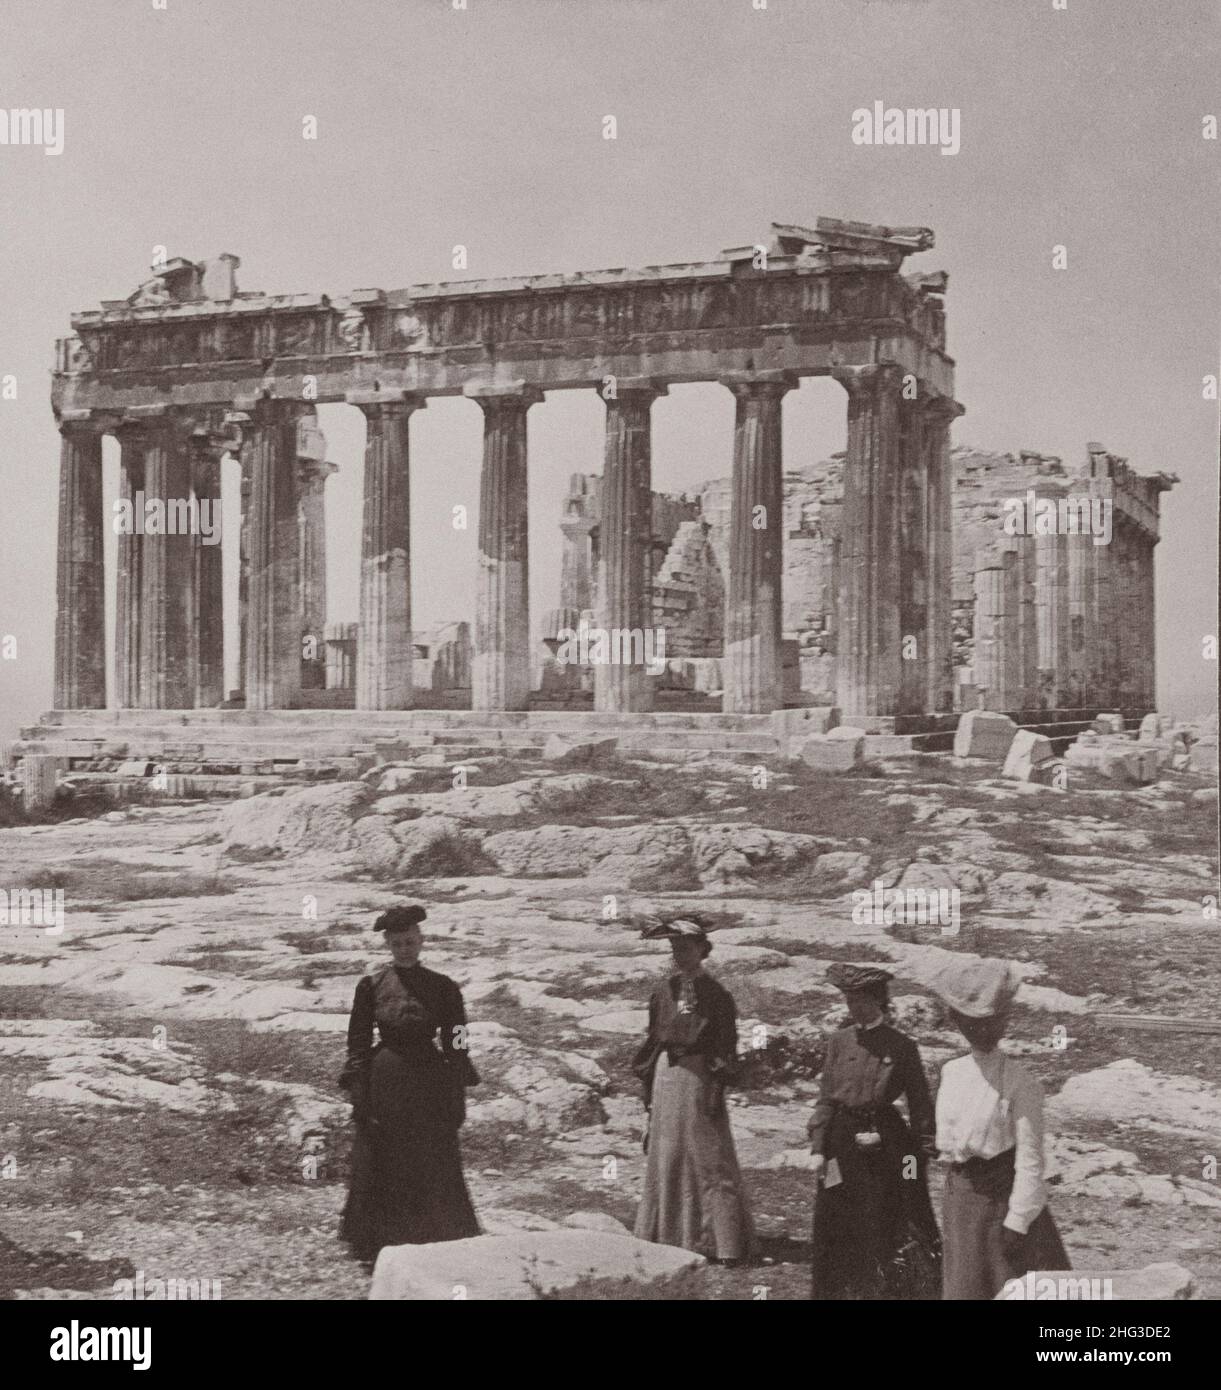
{"x":408,"y":1097}
{"x":875,"y":1235}
{"x":990,"y":1127}
{"x":693,"y":1195}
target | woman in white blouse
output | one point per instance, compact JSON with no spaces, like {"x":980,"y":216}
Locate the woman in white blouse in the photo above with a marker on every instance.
{"x":995,"y":1222}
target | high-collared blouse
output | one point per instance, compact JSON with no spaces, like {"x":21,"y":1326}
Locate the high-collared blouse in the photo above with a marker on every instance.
{"x":989,"y":1103}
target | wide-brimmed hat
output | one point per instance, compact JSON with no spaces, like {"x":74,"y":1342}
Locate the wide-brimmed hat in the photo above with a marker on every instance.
{"x":400,"y":918}
{"x":977,"y":988}
{"x":855,"y":977}
{"x":690,"y":926}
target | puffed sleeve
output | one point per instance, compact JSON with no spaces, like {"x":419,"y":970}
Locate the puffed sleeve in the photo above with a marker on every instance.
{"x":645,"y":1059}
{"x":1028,"y":1196}
{"x":824,"y":1107}
{"x":360,"y":1040}
{"x":455,"y":1042}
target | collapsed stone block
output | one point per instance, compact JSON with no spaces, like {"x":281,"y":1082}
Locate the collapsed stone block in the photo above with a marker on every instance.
{"x":1119,"y":759}
{"x":526,"y":1265}
{"x":574,"y":752}
{"x":1203,"y":754}
{"x":37,"y":773}
{"x":983,"y":733}
{"x":811,"y":719}
{"x":839,"y":750}
{"x":136,"y":767}
{"x":1027,"y":754}
{"x":1157,"y":1282}
{"x":1109,"y":723}
{"x":1150,"y":728}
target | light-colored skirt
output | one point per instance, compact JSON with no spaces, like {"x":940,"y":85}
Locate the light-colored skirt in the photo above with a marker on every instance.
{"x":693,"y":1195}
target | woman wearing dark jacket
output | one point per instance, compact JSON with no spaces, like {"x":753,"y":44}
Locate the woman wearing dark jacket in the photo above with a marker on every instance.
{"x":693,"y":1194}
{"x":408,"y":1095}
{"x":875,"y":1235}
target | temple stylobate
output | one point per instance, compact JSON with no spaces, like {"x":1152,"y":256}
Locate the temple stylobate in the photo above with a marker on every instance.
{"x":188,"y":368}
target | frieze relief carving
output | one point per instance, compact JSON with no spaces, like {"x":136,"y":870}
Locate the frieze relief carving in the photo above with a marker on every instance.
{"x":354,"y":331}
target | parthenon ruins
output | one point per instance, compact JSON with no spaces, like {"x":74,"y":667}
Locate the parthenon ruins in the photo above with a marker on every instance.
{"x":858,"y":601}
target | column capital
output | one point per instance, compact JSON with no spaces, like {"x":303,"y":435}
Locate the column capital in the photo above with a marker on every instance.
{"x":386,"y":405}
{"x":264,"y":409}
{"x":868,"y":377}
{"x":941,"y":410}
{"x":765,"y":385}
{"x":315,"y":472}
{"x":490,"y":394}
{"x":84,"y":423}
{"x":641,"y":389}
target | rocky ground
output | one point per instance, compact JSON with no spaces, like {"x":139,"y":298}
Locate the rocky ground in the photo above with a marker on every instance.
{"x":168,"y":1062}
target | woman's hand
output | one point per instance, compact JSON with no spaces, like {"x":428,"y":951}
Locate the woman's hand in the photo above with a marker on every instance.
{"x":817,"y":1164}
{"x":1013,"y":1248}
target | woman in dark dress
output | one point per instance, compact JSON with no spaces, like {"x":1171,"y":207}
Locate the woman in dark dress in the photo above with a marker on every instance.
{"x":408,"y":1094}
{"x":875,"y":1235}
{"x":693,"y":1195}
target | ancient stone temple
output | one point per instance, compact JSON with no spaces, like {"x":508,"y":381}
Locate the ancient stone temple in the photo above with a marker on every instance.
{"x":1053,"y":584}
{"x":1052,"y":579}
{"x":189,"y":368}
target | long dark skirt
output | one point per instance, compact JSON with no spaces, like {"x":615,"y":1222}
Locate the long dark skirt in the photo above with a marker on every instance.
{"x":875,"y":1235}
{"x":973,"y":1209}
{"x":406,"y":1186}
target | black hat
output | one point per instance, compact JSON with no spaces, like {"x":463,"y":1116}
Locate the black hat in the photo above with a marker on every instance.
{"x":855,"y":977}
{"x":400,"y":918}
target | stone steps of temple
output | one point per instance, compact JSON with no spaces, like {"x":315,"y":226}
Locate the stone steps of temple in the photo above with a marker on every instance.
{"x":330,"y":719}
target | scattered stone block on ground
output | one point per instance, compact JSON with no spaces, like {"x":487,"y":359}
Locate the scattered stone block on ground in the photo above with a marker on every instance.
{"x":983,"y":733}
{"x":1203,"y":755}
{"x":1108,"y":723}
{"x":525,"y":1265}
{"x":37,"y":774}
{"x":1156,"y":1282}
{"x":574,"y":752}
{"x":1028,"y":754}
{"x":838,"y":750}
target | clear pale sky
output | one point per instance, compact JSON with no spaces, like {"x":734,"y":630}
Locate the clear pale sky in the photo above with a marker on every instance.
{"x":436,"y":126}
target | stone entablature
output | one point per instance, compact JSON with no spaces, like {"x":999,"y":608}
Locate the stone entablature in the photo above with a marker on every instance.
{"x":829,"y":296}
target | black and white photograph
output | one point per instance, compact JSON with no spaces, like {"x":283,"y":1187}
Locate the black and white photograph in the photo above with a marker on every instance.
{"x":608,"y":663}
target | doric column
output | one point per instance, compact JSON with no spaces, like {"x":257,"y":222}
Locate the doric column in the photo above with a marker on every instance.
{"x":500,"y":665}
{"x":753,"y":609}
{"x":1148,"y":595}
{"x":273,"y":624}
{"x":167,"y":572}
{"x":312,"y":542}
{"x":1082,"y":661}
{"x":243,"y":573}
{"x":383,"y":649}
{"x":128,"y":585}
{"x":1053,"y":620}
{"x":868,"y":652}
{"x":625,"y":603}
{"x":938,"y":415}
{"x":80,"y":623}
{"x":1025,"y":617}
{"x":1128,"y":623}
{"x":1104,"y":615}
{"x":209,"y":581}
{"x":912,"y":540}
{"x":989,"y":655}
